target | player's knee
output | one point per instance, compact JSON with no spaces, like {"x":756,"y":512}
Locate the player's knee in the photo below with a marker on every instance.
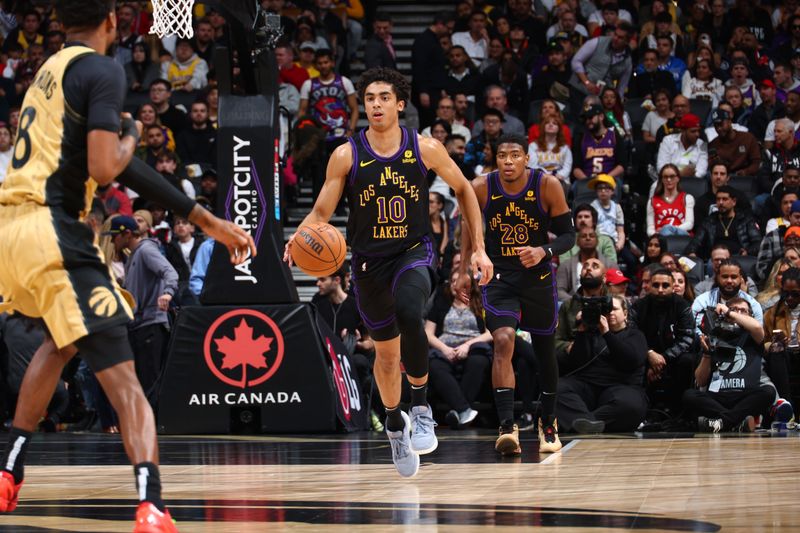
{"x":386,"y":362}
{"x":409,"y":313}
{"x":504,"y":339}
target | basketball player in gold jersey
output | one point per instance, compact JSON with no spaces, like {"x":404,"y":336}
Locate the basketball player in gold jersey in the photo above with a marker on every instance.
{"x":394,"y":259}
{"x":521,"y":206}
{"x":72,"y":128}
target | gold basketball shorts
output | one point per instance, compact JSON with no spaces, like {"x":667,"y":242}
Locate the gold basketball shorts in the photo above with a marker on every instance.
{"x":50,"y":268}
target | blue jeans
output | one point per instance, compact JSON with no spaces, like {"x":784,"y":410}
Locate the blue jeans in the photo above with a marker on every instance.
{"x":667,"y":231}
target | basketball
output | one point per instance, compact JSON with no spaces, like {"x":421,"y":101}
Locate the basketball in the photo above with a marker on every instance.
{"x":319,"y":249}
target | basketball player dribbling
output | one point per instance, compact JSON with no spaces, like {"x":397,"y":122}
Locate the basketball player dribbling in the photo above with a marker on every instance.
{"x":393,"y":254}
{"x":72,"y":128}
{"x":520,"y":206}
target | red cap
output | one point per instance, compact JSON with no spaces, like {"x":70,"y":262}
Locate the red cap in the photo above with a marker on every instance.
{"x":767,"y":83}
{"x":793,"y":230}
{"x":689,"y":120}
{"x":614,"y":276}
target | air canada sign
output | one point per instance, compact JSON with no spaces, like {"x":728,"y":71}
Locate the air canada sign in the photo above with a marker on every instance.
{"x":244,"y":348}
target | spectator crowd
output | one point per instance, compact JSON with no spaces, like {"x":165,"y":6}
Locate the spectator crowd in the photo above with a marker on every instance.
{"x":673,"y":128}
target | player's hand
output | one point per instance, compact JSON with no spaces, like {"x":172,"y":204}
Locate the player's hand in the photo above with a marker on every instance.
{"x":531,"y":256}
{"x":287,"y":251}
{"x":163,"y":302}
{"x":138,"y":123}
{"x":481,"y":263}
{"x":239,"y":243}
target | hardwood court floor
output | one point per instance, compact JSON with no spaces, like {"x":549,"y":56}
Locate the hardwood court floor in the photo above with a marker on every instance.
{"x":346,"y":483}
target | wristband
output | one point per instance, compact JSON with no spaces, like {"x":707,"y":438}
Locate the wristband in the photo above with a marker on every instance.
{"x":128,"y":128}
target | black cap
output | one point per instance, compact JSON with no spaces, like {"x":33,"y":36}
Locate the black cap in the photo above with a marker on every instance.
{"x":554,"y":46}
{"x":591,"y":110}
{"x":719,"y":115}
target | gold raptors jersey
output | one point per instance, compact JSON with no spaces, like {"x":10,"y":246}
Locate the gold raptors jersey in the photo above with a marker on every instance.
{"x":49,"y":164}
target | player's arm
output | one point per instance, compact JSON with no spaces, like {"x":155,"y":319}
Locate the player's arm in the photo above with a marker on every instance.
{"x":561,"y":225}
{"x":339,"y":166}
{"x":436,"y":157}
{"x":108,"y":153}
{"x":151,"y":185}
{"x":464,"y":279}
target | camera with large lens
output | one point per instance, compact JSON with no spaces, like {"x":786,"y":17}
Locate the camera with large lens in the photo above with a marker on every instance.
{"x":592,"y":307}
{"x":723,"y":336}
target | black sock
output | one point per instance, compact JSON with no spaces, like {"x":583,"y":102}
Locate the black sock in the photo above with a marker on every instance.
{"x":148,"y":484}
{"x":504,"y":401}
{"x":548,"y":408}
{"x":394,"y":420}
{"x":14,"y":456}
{"x":419,"y":395}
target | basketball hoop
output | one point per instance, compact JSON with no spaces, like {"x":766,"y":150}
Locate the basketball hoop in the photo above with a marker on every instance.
{"x":172,"y":17}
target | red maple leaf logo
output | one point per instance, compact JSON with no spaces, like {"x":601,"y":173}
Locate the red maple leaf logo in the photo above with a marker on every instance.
{"x":243,"y":349}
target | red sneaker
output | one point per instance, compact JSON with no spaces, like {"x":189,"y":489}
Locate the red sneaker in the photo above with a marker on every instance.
{"x":150,"y":520}
{"x":9,"y":492}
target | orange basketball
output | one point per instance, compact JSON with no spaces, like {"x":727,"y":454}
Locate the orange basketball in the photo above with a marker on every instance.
{"x":319,"y":249}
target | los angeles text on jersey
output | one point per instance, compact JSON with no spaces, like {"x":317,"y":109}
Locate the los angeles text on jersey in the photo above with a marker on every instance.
{"x":513,"y":225}
{"x":390,"y":222}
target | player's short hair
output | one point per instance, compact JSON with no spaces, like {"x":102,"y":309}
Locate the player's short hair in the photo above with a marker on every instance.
{"x":83,"y":13}
{"x":513,"y":138}
{"x":399,"y":83}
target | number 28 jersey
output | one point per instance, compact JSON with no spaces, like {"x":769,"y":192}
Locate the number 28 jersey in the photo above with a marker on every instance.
{"x":513,"y":221}
{"x":388,"y":198}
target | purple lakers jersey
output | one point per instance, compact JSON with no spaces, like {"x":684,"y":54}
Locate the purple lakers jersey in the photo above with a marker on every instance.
{"x":598,"y":156}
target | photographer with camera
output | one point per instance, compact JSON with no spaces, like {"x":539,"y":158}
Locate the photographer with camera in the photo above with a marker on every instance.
{"x":602,"y":375}
{"x":592,"y":284}
{"x":734,"y":386}
{"x":727,"y":285}
{"x":667,"y":323}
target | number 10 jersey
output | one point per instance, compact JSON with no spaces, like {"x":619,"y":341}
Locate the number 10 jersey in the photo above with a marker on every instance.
{"x":388,"y":198}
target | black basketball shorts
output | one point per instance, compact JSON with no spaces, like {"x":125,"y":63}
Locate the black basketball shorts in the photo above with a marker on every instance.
{"x":376,"y":285}
{"x":524,"y":300}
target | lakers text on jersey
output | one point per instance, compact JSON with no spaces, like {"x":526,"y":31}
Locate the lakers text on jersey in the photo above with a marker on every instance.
{"x":388,"y":198}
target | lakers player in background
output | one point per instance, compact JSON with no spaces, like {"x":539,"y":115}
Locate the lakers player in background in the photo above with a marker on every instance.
{"x":72,"y":138}
{"x":520,"y":206}
{"x":384,"y":168}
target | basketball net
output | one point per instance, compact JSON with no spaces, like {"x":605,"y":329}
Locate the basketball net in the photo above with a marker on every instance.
{"x":172,"y":17}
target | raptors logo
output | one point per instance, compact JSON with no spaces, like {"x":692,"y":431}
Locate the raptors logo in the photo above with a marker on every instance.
{"x":243,"y":348}
{"x":332,"y":114}
{"x":103,"y":302}
{"x":739,"y":362}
